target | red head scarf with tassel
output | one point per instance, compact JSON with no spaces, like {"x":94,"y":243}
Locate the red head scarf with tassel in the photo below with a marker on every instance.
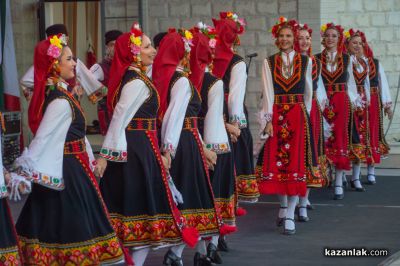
{"x":45,"y":57}
{"x":170,"y":53}
{"x":200,"y":58}
{"x":228,"y":30}
{"x":124,"y":56}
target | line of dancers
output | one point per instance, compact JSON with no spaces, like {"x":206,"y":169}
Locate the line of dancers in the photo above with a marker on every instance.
{"x":177,"y":156}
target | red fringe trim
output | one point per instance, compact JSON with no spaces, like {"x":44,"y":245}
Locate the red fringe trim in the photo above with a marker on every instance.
{"x":190,"y":236}
{"x":241,"y":211}
{"x":283,"y":188}
{"x":227,"y":229}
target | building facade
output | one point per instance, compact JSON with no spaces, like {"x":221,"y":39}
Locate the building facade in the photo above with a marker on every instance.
{"x":379,"y":19}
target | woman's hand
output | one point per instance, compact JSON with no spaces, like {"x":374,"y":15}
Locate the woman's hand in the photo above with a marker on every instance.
{"x":211,"y":158}
{"x":269,"y":130}
{"x":233,"y":131}
{"x":389,"y":113}
{"x":101,"y":165}
{"x":166,"y":158}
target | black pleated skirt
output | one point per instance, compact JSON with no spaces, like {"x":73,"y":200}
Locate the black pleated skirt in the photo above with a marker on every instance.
{"x":189,"y":174}
{"x":69,"y":226}
{"x":136,"y":195}
{"x":8,"y":239}
{"x":245,"y":177}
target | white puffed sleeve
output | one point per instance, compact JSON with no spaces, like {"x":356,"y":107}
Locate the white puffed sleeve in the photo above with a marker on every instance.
{"x":267,"y":87}
{"x":308,"y":92}
{"x":215,"y":136}
{"x":237,"y":91}
{"x":175,"y":115}
{"x":149,"y":71}
{"x":385,"y":89}
{"x":97,"y":72}
{"x":42,"y":161}
{"x":93,"y":88}
{"x":27,"y":79}
{"x":352,"y":87}
{"x":322,"y":97}
{"x":89,"y":151}
{"x":133,"y":95}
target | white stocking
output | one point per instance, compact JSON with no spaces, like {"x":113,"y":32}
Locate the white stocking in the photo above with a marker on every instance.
{"x":338,"y":181}
{"x":292,"y":201}
{"x":356,"y":175}
{"x":139,"y":256}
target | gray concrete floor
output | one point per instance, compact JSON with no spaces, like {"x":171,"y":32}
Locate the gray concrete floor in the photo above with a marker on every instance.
{"x":362,"y":220}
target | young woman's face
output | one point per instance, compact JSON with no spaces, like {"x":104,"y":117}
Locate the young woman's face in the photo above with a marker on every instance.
{"x":66,"y":64}
{"x":331,"y":39}
{"x":147,"y":51}
{"x":304,"y":41}
{"x":285,"y":39}
{"x":355,"y":46}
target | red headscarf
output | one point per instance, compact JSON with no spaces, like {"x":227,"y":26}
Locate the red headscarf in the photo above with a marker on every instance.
{"x":200,"y":58}
{"x":170,"y":53}
{"x":120,"y":63}
{"x":42,"y":64}
{"x":227,"y":34}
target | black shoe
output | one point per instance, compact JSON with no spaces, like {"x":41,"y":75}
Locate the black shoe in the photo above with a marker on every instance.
{"x":288,"y":231}
{"x":201,"y":260}
{"x":222,"y":245}
{"x":338,"y":196}
{"x":213,"y":254}
{"x":300,"y":218}
{"x":279,"y":220}
{"x":358,"y":189}
{"x":370,"y":182}
{"x":310,"y":207}
{"x":170,"y":259}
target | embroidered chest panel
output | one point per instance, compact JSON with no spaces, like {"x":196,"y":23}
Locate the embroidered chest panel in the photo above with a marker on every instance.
{"x":340,"y":74}
{"x":360,"y":77}
{"x":293,"y":84}
{"x":373,"y":72}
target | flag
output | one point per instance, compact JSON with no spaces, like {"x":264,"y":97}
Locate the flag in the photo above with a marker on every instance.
{"x":9,"y":87}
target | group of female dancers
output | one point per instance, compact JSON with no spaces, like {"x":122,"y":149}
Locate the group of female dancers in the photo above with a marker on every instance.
{"x":178,"y":154}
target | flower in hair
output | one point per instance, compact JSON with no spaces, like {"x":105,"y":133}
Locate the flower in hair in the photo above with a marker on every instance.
{"x":56,"y":43}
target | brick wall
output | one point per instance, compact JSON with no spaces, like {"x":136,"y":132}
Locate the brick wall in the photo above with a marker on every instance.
{"x":380,"y":20}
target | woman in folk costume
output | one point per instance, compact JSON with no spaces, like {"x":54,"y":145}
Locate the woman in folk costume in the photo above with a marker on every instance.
{"x":135,"y":183}
{"x":231,"y":68}
{"x":212,"y":126}
{"x":9,"y":247}
{"x":287,"y":98}
{"x":319,"y":101}
{"x":380,"y":104}
{"x":340,"y":86}
{"x":354,"y":45}
{"x":180,"y":103}
{"x":64,"y":220}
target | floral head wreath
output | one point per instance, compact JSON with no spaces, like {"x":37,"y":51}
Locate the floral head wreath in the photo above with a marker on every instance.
{"x":210,"y":32}
{"x":55,"y":48}
{"x":187,"y":38}
{"x":338,"y":28}
{"x":283,"y":22}
{"x":135,"y":39}
{"x":305,"y":27}
{"x":240,"y":22}
{"x":353,"y":33}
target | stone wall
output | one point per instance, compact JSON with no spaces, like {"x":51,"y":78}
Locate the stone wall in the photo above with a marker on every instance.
{"x":260,"y":16}
{"x":380,"y":20}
